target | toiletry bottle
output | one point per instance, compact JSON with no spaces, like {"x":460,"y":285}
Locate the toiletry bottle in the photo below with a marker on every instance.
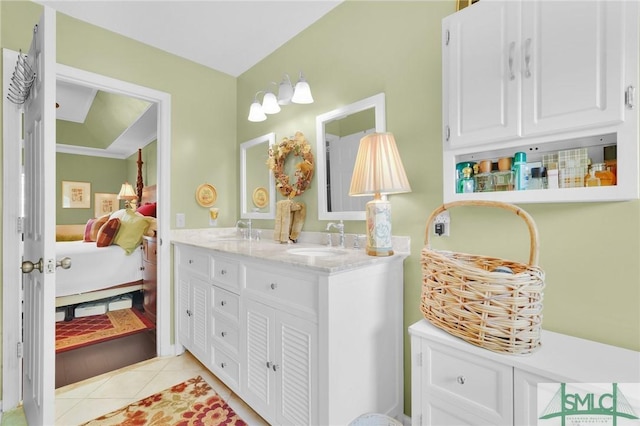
{"x":467,"y":183}
{"x":520,"y":170}
{"x":538,"y":178}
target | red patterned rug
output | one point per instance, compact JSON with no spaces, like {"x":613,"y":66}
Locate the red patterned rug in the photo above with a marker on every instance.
{"x":99,"y":328}
{"x":189,"y":403}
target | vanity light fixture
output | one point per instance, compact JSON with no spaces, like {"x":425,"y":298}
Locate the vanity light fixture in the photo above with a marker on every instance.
{"x":286,"y":95}
{"x":378,"y":171}
{"x":128,"y":195}
{"x":256,"y":113}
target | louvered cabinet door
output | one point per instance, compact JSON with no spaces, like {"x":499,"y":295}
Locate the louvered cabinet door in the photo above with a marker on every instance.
{"x":258,"y":381}
{"x":296,"y":370}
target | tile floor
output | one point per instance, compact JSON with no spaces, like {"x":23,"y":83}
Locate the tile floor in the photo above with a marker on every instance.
{"x":83,"y":401}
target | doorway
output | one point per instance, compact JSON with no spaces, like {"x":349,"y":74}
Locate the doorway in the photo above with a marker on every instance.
{"x":12,"y":374}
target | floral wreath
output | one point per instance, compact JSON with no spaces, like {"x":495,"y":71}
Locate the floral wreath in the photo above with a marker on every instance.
{"x":299,"y":147}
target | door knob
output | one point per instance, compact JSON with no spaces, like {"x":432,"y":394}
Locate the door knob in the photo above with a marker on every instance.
{"x":64,"y":263}
{"x":28,"y":266}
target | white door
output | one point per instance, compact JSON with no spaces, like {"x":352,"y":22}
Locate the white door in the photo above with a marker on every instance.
{"x":573,"y":77}
{"x":39,"y":229}
{"x":481,"y":89}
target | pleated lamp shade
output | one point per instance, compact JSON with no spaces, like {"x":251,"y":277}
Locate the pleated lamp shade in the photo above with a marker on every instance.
{"x":378,"y":169}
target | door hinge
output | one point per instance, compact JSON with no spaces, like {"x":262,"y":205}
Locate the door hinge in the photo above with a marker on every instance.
{"x":20,"y":225}
{"x":447,"y":37}
{"x":630,"y":97}
{"x":20,"y":350}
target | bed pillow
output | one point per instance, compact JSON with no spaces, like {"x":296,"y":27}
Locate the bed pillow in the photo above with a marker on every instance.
{"x":132,"y":228}
{"x":93,"y":226}
{"x":147,"y":209}
{"x":107,"y":232}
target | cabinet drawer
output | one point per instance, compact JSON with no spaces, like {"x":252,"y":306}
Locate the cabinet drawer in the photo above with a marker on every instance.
{"x":225,"y":333}
{"x":226,"y":303}
{"x":226,"y":368}
{"x":149,"y":249}
{"x":290,"y":289}
{"x":226,"y":272}
{"x":473,"y":383}
{"x":194,"y":260}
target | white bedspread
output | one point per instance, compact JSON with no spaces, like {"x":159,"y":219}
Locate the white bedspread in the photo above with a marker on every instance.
{"x":95,"y":268}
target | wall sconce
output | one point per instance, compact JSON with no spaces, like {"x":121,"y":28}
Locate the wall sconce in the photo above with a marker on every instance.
{"x":378,"y":171}
{"x":128,"y":195}
{"x":301,"y":94}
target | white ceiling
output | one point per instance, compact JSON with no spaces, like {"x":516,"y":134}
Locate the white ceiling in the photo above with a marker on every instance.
{"x":229,"y":36}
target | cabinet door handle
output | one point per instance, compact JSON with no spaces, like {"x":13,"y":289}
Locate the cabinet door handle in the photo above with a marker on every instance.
{"x":223,"y":333}
{"x":275,"y":367}
{"x":223,"y":272}
{"x":273,"y":286}
{"x":512,"y":48}
{"x":190,"y":261}
{"x":222,"y":303}
{"x":461,"y":380}
{"x":188,"y":313}
{"x":527,"y":58}
{"x":269,"y":364}
{"x":223,"y":364}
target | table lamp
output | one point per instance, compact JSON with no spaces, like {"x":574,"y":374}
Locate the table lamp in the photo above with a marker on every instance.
{"x":127,"y":194}
{"x":378,"y":171}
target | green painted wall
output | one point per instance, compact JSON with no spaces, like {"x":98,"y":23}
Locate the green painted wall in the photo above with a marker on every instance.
{"x":589,"y":251}
{"x":105,"y":175}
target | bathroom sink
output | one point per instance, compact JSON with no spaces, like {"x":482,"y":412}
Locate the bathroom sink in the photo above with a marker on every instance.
{"x":317,"y":251}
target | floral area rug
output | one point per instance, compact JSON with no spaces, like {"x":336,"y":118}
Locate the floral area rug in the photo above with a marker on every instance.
{"x":98,"y":328}
{"x":192,"y":402}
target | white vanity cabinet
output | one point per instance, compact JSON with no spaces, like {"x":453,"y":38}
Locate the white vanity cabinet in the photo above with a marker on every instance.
{"x":225,"y":317}
{"x":298,"y":342}
{"x":193,"y":295}
{"x":540,"y":77}
{"x":457,"y":383}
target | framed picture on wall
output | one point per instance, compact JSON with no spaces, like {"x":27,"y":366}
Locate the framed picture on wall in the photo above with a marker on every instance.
{"x":105,"y":203}
{"x":76,"y":195}
{"x":461,"y":4}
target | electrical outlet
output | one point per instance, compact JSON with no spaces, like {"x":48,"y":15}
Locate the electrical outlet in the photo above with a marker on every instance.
{"x":180,"y":220}
{"x":441,"y":224}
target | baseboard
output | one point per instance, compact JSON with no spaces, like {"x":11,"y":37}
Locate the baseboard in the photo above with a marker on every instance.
{"x":406,"y":420}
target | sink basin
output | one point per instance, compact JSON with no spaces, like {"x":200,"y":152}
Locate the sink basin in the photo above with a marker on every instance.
{"x":317,"y":251}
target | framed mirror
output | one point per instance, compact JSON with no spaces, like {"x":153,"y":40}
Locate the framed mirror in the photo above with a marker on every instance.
{"x":338,"y":137}
{"x":257,"y":185}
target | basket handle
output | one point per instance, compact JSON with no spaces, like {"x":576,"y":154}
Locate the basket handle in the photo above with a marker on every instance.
{"x":533,"y":231}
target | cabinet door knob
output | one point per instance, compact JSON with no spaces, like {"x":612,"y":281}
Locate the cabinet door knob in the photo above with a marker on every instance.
{"x":223,"y":272}
{"x":461,"y":380}
{"x":190,"y":261}
{"x":273,"y":286}
{"x":222,"y":303}
{"x":269,"y":364}
{"x":223,"y":364}
{"x":275,"y":367}
{"x":512,"y":47}
{"x":223,"y":333}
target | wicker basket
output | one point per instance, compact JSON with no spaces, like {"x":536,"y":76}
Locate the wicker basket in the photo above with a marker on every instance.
{"x":463,"y":295}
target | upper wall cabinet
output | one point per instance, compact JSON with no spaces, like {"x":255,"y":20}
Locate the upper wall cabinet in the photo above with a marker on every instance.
{"x":541,"y":77}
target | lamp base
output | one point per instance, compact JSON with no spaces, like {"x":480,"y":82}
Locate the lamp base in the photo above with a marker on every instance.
{"x":378,"y":212}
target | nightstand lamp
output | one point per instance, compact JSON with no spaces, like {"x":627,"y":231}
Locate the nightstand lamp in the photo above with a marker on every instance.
{"x":378,"y":171}
{"x":128,"y":195}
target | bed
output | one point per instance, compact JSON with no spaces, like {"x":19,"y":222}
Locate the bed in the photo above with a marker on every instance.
{"x":107,"y":271}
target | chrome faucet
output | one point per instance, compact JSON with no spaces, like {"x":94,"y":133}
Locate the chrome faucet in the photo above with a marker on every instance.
{"x":340,"y":228}
{"x":246,"y":224}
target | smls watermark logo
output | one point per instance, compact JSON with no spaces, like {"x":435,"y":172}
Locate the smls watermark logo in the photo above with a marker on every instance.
{"x":572,"y":404}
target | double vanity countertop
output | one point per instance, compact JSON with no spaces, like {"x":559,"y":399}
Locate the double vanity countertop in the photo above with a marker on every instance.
{"x":308,"y":251}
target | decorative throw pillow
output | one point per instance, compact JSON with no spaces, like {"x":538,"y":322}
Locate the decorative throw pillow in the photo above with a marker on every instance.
{"x":147,"y":209}
{"x":118,"y":214}
{"x":108,"y":232}
{"x":132,"y":228}
{"x":93,"y":226}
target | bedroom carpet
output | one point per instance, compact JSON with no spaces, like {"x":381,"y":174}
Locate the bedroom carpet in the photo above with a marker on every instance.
{"x":99,"y":328}
{"x":192,"y":402}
